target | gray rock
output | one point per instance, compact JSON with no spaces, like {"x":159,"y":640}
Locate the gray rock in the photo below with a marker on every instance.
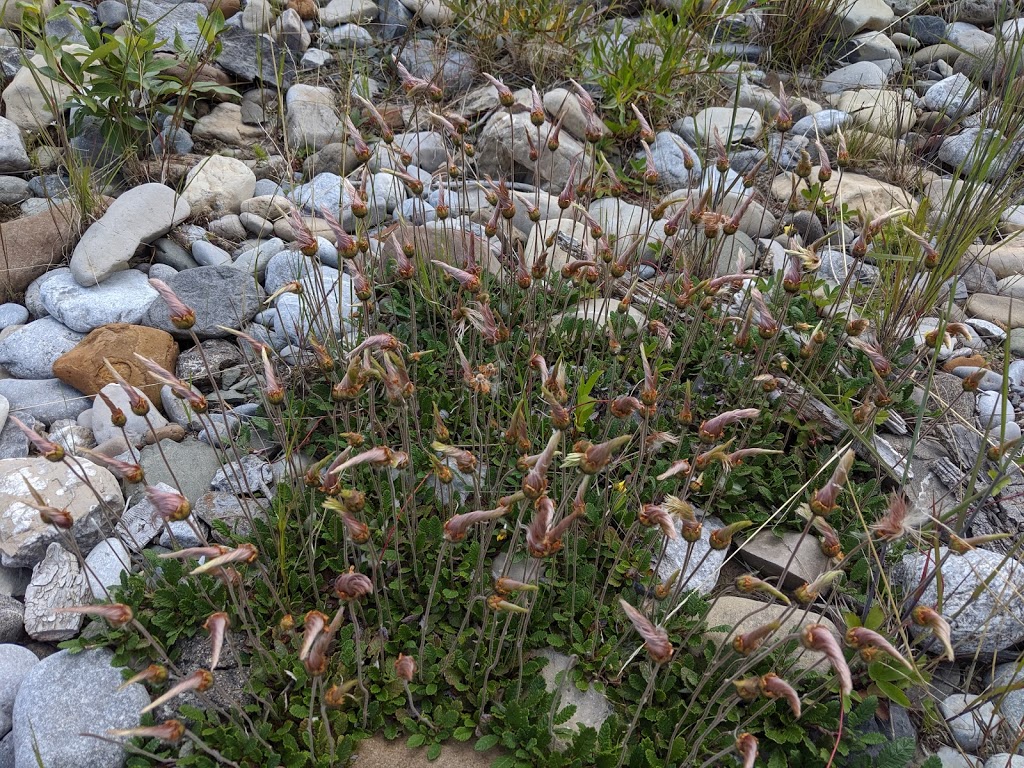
{"x":314,"y":58}
{"x":254,"y":260}
{"x":704,"y":563}
{"x":953,"y":95}
{"x":247,"y":476}
{"x":182,"y":534}
{"x":970,"y":149}
{"x":863,"y":74}
{"x":12,"y":619}
{"x":207,"y":254}
{"x":1005,"y":760}
{"x":969,"y":729}
{"x":322,"y":191}
{"x":173,"y":255}
{"x":220,"y":429}
{"x":346,"y":36}
{"x":426,"y":59}
{"x":1009,"y":704}
{"x":311,"y":117}
{"x":136,"y":427}
{"x":192,"y":462}
{"x":15,"y":664}
{"x":140,"y":524}
{"x":140,"y":215}
{"x":111,"y":13}
{"x":104,"y":566}
{"x":770,"y":554}
{"x":57,"y":582}
{"x":14,"y":580}
{"x":927,"y":30}
{"x":67,"y":695}
{"x":993,"y":408}
{"x":7,"y":751}
{"x":72,"y":437}
{"x":393,"y":19}
{"x":668,"y":152}
{"x":235,"y":513}
{"x":44,"y":399}
{"x":13,"y":190}
{"x":13,"y":155}
{"x":121,"y":298}
{"x":952,"y":758}
{"x":286,"y":266}
{"x":293,"y":322}
{"x":30,"y":351}
{"x":12,"y":314}
{"x":592,"y":708}
{"x":986,"y":623}
{"x":211,"y":358}
{"x":220,"y":296}
{"x":254,"y":57}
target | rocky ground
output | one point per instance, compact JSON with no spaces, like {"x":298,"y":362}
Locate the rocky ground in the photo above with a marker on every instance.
{"x":222,"y":244}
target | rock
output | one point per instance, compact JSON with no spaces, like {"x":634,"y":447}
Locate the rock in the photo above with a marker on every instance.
{"x":66,"y":697}
{"x":953,"y":95}
{"x":312,"y":118}
{"x":140,"y":523}
{"x":12,"y":314}
{"x":72,"y":437}
{"x":207,"y":254}
{"x":224,"y":124}
{"x":985,"y":623}
{"x":31,"y":245}
{"x":12,"y":618}
{"x":733,"y":125}
{"x":560,"y":102}
{"x":879,"y":111}
{"x":704,"y":563}
{"x":339,"y":12}
{"x":858,"y":15}
{"x":292,"y":320}
{"x":194,"y":463}
{"x":13,"y":156}
{"x":378,"y":752}
{"x":870,"y":196}
{"x":29,"y":95}
{"x":426,"y":150}
{"x":863,"y":74}
{"x":455,"y":70}
{"x":140,"y":215}
{"x":744,"y":615}
{"x":770,"y":554}
{"x":952,"y":758}
{"x":57,"y":582}
{"x":1009,"y":704}
{"x":83,"y":367}
{"x":136,"y":427}
{"x":24,"y":537}
{"x":44,"y":399}
{"x":324,"y":191}
{"x":254,"y":57}
{"x":671,"y":155}
{"x":246,"y":477}
{"x":1004,"y":760}
{"x":1005,"y":259}
{"x":15,"y":664}
{"x":1001,"y":310}
{"x":969,"y":729}
{"x":219,"y":296}
{"x":104,"y":566}
{"x":31,"y":351}
{"x":946,"y":195}
{"x":592,"y":708}
{"x":257,"y":16}
{"x":874,"y":46}
{"x":121,"y":298}
{"x":218,"y":184}
{"x":971,"y":151}
{"x":236,"y":514}
{"x":289,"y":30}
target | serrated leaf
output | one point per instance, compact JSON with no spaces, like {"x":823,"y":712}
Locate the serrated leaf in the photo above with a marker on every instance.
{"x":434,"y":751}
{"x":416,"y":740}
{"x":486,"y":742}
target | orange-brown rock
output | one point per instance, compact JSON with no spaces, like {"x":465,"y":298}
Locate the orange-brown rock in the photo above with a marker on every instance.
{"x":307,"y":9}
{"x":976,"y":361}
{"x":83,"y":367}
{"x":228,"y":7}
{"x":31,"y":245}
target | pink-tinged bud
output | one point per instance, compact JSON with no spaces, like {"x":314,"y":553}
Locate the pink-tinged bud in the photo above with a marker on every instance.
{"x":784,"y":117}
{"x":154,"y":673}
{"x":314,"y":623}
{"x":217,"y":625}
{"x":467,"y":281}
{"x":830,"y":544}
{"x":506,"y":586}
{"x":505,"y":96}
{"x":543,"y":539}
{"x":456,"y":528}
{"x":117,"y":417}
{"x":464,"y":460}
{"x":749,"y":642}
{"x":746,"y":746}
{"x":352,"y":585}
{"x":178,"y":388}
{"x":48,"y":449}
{"x":774,"y":687}
{"x":748,"y":688}
{"x":243,"y":553}
{"x":692,"y":531}
{"x":170,"y":731}
{"x":862,"y":637}
{"x":713,"y":428}
{"x":651,"y":174}
{"x":816,"y":637}
{"x":272,"y":387}
{"x":926,"y":616}
{"x":182,"y":316}
{"x":646,"y":134}
{"x":749,"y":584}
{"x":595,"y":458}
{"x":655,"y":514}
{"x":138,"y":402}
{"x":680,"y":467}
{"x":536,"y":481}
{"x":201,"y":680}
{"x":501,"y":605}
{"x":405,"y":667}
{"x":824,"y":500}
{"x":377,"y":118}
{"x":170,"y":506}
{"x":115,"y":614}
{"x":808,"y":593}
{"x":655,"y":638}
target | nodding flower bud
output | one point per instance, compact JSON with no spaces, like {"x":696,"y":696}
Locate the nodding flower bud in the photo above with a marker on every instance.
{"x":537,"y":107}
{"x":169,"y":505}
{"x":748,"y":584}
{"x":862,"y":637}
{"x":594,"y":458}
{"x":824,"y":500}
{"x":657,"y":515}
{"x":467,"y":281}
{"x":749,"y":642}
{"x":748,"y":688}
{"x":651,"y":174}
{"x":352,"y":585}
{"x":774,"y":687}
{"x":170,"y":731}
{"x":808,"y":593}
{"x":746,"y":747}
{"x":405,"y":668}
{"x":692,"y":531}
{"x":926,"y":616}
{"x":138,"y":402}
{"x":182,"y":316}
{"x":505,"y":96}
{"x":543,"y":539}
{"x":48,"y":449}
{"x":721,"y":538}
{"x":154,"y":673}
{"x":816,"y":637}
{"x":506,"y":586}
{"x":115,"y":614}
{"x":784,"y":117}
{"x":553,"y":135}
{"x":646,"y":134}
{"x":117,"y":416}
{"x":655,"y":638}
{"x":456,"y":528}
{"x":132,"y":473}
{"x":713,"y":428}
{"x":830,"y":544}
{"x":536,"y":481}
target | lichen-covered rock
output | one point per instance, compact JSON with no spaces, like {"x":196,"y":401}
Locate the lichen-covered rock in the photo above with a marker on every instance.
{"x":57,"y":582}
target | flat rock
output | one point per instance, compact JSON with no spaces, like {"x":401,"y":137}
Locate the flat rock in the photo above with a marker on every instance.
{"x":104,"y":566}
{"x":15,"y":664}
{"x":194,"y":463}
{"x":858,"y":15}
{"x":312,"y":117}
{"x":1005,"y":259}
{"x":44,"y":399}
{"x":453,"y":69}
{"x":31,"y":245}
{"x":870,"y":196}
{"x":745,"y":615}
{"x":236,"y":514}
{"x":218,"y":184}
{"x":592,"y":707}
{"x":862,"y":74}
{"x":880,"y":111}
{"x":57,"y":582}
{"x":220,"y":296}
{"x":702,"y":569}
{"x":140,"y":524}
{"x":988,"y":622}
{"x":246,"y":477}
{"x":83,"y":367}
{"x":140,"y":215}
{"x":31,"y":351}
{"x":23,"y":535}
{"x":12,"y":616}
{"x":136,"y":427}
{"x":66,"y":697}
{"x":770,"y":554}
{"x":1001,"y":310}
{"x":121,"y":298}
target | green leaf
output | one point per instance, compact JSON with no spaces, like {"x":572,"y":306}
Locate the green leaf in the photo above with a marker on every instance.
{"x":893,"y":693}
{"x":416,"y":740}
{"x":485,"y":742}
{"x":584,"y":402}
{"x":434,"y":751}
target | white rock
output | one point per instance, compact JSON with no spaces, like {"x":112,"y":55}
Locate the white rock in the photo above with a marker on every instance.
{"x":219,"y":184}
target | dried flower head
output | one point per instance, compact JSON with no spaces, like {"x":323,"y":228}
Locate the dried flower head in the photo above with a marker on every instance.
{"x":405,"y":667}
{"x":823,"y":501}
{"x":201,"y":680}
{"x":655,"y":638}
{"x":926,"y":616}
{"x":816,"y":637}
